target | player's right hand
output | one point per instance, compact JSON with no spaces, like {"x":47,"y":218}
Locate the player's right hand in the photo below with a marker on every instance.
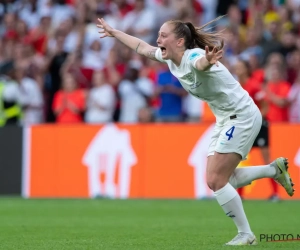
{"x":105,"y":29}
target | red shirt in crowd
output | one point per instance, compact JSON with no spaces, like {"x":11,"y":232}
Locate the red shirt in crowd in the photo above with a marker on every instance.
{"x":39,"y":40}
{"x":276,"y":113}
{"x":253,"y":87}
{"x":63,"y":99}
{"x":259,"y":75}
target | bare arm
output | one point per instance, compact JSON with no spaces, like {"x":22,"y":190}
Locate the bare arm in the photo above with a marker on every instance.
{"x":136,"y":44}
{"x":202,"y":64}
{"x":210,"y":58}
{"x":132,"y":42}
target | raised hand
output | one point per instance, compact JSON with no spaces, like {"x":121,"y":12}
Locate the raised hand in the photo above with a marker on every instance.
{"x":213,"y":56}
{"x":105,"y":29}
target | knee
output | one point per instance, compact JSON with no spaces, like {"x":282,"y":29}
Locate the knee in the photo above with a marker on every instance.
{"x":216,"y":182}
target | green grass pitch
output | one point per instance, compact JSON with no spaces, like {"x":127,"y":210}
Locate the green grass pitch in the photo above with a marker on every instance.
{"x":137,"y":224}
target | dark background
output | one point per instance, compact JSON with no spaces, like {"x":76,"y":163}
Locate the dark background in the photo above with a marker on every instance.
{"x":10,"y":160}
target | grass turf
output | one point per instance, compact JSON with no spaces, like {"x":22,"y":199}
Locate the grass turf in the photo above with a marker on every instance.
{"x":137,"y":224}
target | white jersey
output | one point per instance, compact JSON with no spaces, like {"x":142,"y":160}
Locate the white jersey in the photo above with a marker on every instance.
{"x":216,"y":86}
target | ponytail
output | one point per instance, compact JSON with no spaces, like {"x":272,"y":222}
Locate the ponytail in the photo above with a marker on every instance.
{"x":197,"y":37}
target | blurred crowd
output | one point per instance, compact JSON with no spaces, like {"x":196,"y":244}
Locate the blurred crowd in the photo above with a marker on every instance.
{"x":55,"y":68}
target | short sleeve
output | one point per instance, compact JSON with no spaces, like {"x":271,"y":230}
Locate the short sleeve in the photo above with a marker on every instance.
{"x":194,"y":56}
{"x":158,"y":55}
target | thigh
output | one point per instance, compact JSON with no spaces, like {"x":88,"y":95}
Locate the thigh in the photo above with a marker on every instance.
{"x":214,"y":138}
{"x":237,"y":136}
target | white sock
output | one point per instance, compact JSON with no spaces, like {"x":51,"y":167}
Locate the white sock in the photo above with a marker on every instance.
{"x":230,"y":201}
{"x":244,"y":176}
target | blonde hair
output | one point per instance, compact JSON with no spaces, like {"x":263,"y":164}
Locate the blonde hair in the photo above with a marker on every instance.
{"x":197,"y":37}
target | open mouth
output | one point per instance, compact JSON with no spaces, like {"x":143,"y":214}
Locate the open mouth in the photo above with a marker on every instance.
{"x":163,"y":50}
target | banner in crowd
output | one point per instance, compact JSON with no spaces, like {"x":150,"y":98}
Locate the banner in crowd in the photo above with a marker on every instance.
{"x":138,"y":161}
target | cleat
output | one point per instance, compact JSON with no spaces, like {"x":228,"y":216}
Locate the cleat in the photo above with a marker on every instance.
{"x":243,"y":239}
{"x":282,"y":176}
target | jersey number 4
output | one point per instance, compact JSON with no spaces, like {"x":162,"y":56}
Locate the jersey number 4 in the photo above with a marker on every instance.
{"x":229,"y":133}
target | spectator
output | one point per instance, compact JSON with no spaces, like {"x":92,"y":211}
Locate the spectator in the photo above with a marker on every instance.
{"x":29,"y":13}
{"x":293,"y":101}
{"x":192,"y":109}
{"x":56,"y":58}
{"x":70,"y":29}
{"x":135,"y":94}
{"x":50,"y":37}
{"x":253,"y":47}
{"x":170,"y":93}
{"x":140,"y":22}
{"x":39,"y":35}
{"x":209,"y":12}
{"x":250,"y":84}
{"x":235,"y":21}
{"x":101,"y":100}
{"x":274,"y":58}
{"x":8,"y":7}
{"x":69,"y":103}
{"x":11,"y":109}
{"x":73,"y":65}
{"x":9,"y":34}
{"x":256,"y":70}
{"x":30,"y":98}
{"x":22,"y":32}
{"x":189,"y":10}
{"x":61,"y":11}
{"x":277,"y":90}
{"x":164,"y":12}
{"x":233,"y":48}
{"x":9,"y":22}
{"x":94,"y":57}
{"x":145,"y":115}
{"x":285,"y":18}
{"x":288,"y":42}
{"x":271,"y":40}
{"x":293,"y":63}
{"x":122,"y":7}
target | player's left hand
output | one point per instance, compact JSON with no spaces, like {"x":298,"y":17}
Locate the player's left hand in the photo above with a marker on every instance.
{"x":213,"y":56}
{"x":105,"y":29}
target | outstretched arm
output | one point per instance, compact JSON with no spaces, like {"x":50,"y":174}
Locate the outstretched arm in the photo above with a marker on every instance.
{"x":210,"y":58}
{"x":132,"y":42}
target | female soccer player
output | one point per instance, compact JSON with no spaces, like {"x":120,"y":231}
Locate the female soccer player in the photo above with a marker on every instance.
{"x":192,"y":56}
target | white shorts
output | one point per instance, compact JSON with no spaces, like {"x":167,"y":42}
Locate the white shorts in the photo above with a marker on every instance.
{"x":236,"y":135}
